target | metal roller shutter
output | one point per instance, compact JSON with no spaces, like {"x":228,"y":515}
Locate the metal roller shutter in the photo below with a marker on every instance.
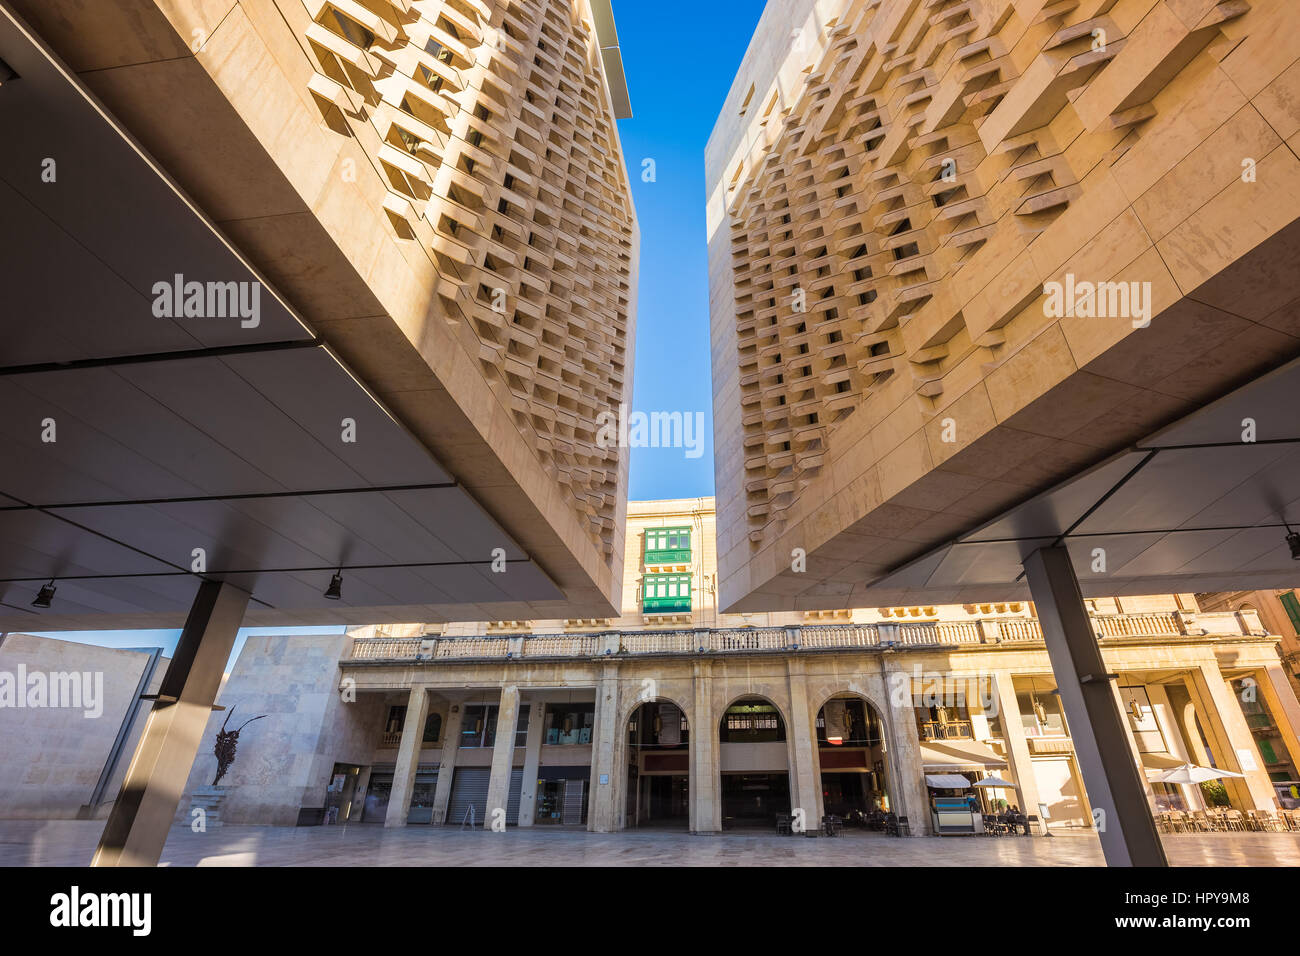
{"x":469,"y":787}
{"x":573,"y":793}
{"x":512,"y":802}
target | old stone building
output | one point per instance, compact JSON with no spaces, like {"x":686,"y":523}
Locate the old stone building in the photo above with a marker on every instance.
{"x":675,"y":715}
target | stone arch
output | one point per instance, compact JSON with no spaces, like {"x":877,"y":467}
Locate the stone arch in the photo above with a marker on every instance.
{"x":782,"y":712}
{"x":633,"y":797}
{"x":753,"y":776}
{"x":891,"y":784}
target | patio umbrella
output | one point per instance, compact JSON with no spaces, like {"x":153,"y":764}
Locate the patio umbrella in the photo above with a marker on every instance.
{"x":1190,"y":773}
{"x":995,"y":782}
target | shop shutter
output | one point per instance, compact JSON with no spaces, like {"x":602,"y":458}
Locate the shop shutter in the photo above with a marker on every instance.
{"x":573,"y":801}
{"x":512,"y":801}
{"x":469,"y":788}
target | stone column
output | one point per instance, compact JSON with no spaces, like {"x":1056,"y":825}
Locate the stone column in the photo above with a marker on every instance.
{"x":1230,"y":738}
{"x":447,"y":763}
{"x":408,"y":758}
{"x":1191,"y":733}
{"x":358,"y":813}
{"x":532,"y":757}
{"x":806,"y":792}
{"x":1163,"y":710}
{"x":1013,"y":734}
{"x":1097,"y":729}
{"x":706,"y":802}
{"x":1283,"y":705}
{"x":605,"y":786}
{"x":503,"y":758}
{"x":151,"y":790}
{"x":903,"y":749}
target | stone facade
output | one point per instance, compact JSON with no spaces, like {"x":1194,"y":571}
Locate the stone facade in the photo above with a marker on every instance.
{"x":415,"y":699}
{"x":705,"y":672}
{"x":55,"y":759}
{"x":1274,"y":613}
{"x":439,"y":190}
{"x":894,"y":186}
{"x":283,"y":759}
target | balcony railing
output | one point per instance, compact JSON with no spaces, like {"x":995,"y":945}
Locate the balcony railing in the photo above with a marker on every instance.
{"x":668,"y":556}
{"x":666,"y":605}
{"x":952,"y":730}
{"x":813,"y":637}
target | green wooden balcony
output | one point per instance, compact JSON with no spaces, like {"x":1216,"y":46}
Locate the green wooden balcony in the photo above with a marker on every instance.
{"x":669,"y":556}
{"x":665,"y":605}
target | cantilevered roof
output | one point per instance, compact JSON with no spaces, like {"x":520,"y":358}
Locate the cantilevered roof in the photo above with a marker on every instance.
{"x":133,"y":444}
{"x":1201,"y":505}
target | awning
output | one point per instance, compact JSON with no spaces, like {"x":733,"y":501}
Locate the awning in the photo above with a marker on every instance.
{"x":948,"y":755}
{"x":1161,"y":760}
{"x":946,"y":781}
{"x":1158,"y":763}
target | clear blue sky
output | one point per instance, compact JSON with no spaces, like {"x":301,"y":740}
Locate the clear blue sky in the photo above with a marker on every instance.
{"x":167,"y":639}
{"x":680,"y":59}
{"x":677,"y":79}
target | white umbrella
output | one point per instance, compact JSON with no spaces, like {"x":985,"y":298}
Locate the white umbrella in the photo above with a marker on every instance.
{"x":1190,"y":773}
{"x":995,"y":782}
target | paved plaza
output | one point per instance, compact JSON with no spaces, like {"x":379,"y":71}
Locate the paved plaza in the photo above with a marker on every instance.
{"x":71,"y":843}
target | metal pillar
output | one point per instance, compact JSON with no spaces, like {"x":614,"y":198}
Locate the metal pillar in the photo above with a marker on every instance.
{"x":1090,"y":701}
{"x":151,"y":791}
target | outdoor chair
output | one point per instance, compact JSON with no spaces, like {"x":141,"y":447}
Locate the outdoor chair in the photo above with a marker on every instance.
{"x":1234,"y":821}
{"x":784,"y":824}
{"x":1264,"y":821}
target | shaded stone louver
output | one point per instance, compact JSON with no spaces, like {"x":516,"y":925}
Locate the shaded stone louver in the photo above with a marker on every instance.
{"x":892,"y":183}
{"x":493,"y":131}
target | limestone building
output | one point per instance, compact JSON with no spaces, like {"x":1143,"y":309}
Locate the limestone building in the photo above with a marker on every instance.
{"x":902,"y":197}
{"x":1279,"y":612}
{"x":674,"y":714}
{"x":434,"y":200}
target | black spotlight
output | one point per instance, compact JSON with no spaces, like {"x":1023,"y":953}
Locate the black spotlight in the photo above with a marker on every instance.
{"x":45,"y":596}
{"x":1293,"y":540}
{"x":335,"y":591}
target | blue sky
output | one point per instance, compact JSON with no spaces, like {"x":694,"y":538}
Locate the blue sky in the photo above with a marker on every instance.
{"x":677,"y":78}
{"x":167,"y":639}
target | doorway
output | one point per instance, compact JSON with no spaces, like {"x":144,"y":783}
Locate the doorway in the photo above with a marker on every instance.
{"x":339,"y":793}
{"x":754,"y":799}
{"x":658,"y":770}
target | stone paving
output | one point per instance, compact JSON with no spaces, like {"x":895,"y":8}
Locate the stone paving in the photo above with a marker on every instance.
{"x":71,"y":843}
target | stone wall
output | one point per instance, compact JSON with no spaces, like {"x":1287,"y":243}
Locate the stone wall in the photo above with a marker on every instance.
{"x":52,"y":757}
{"x":283,"y":761}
